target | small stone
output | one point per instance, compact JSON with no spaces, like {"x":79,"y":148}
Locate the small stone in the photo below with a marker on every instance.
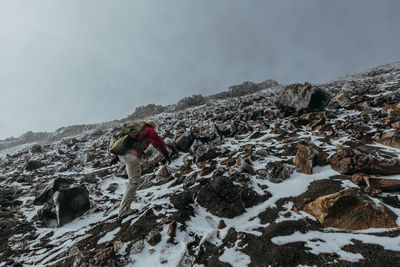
{"x":172,"y":229}
{"x":221,"y":225}
{"x":137,"y":247}
{"x":153,"y":238}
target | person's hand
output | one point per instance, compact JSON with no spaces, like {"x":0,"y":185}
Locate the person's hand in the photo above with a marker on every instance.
{"x":114,"y":161}
{"x":167,"y":159}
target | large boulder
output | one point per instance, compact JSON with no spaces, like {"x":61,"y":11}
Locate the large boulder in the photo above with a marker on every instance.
{"x":364,"y":159}
{"x":302,"y":98}
{"x":225,"y":199}
{"x":184,"y":141}
{"x":350,"y":209}
{"x":62,"y":202}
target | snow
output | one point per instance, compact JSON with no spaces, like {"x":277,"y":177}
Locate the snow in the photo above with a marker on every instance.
{"x":333,"y":242}
{"x":234,"y":257}
{"x":109,"y":236}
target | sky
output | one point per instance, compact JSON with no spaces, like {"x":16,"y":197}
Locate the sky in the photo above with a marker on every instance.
{"x":69,"y":62}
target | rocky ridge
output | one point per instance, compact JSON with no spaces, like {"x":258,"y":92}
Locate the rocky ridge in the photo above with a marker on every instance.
{"x":249,"y":184}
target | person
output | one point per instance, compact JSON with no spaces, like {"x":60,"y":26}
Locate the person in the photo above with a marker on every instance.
{"x":132,"y":159}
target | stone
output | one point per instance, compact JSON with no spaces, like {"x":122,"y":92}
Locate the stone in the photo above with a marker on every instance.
{"x":241,"y":166}
{"x":184,"y":141}
{"x":364,"y":159}
{"x":350,"y":209}
{"x":302,"y":98}
{"x":389,"y":139}
{"x":99,"y":257}
{"x":34,"y":165}
{"x":163,"y":175}
{"x":205,"y":153}
{"x":278,"y":171}
{"x":63,"y":202}
{"x":307,"y":157}
{"x":376,"y":185}
{"x":221,"y":225}
{"x":153,"y":238}
{"x":137,"y":247}
{"x":172,"y":229}
{"x":36,"y":149}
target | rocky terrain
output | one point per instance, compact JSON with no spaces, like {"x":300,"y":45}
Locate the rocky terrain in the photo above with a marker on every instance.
{"x":262,"y":175}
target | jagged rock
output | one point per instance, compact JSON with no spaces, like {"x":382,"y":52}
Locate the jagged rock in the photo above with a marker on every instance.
{"x":172,"y":229}
{"x":36,"y":149}
{"x":350,"y":209}
{"x":62,"y":202}
{"x":364,"y":159}
{"x":222,"y":198}
{"x":307,"y":157}
{"x":341,"y":97}
{"x":375,"y":185}
{"x":205,"y":153}
{"x":97,"y":258}
{"x":221,"y":225}
{"x":163,"y":175}
{"x":278,"y":171}
{"x":184,"y":141}
{"x":241,"y":166}
{"x":153,"y":238}
{"x":389,"y":139}
{"x":299,"y":98}
{"x":34,"y":165}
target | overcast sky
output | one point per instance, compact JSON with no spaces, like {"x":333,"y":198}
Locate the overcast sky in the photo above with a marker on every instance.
{"x":72,"y":62}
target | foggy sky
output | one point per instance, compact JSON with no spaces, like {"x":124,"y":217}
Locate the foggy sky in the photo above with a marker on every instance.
{"x":84,"y":61}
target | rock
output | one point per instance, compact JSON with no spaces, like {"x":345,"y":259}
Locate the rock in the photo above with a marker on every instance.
{"x":172,"y":229}
{"x":205,"y":153}
{"x":221,"y":225}
{"x":350,"y":209}
{"x":99,"y":257}
{"x":137,"y":247}
{"x":299,"y":98}
{"x":184,"y":141}
{"x":364,"y":159}
{"x":278,"y":171}
{"x":376,"y":185}
{"x":36,"y":149}
{"x":341,"y":97}
{"x":62,"y":202}
{"x":34,"y":165}
{"x":307,"y":157}
{"x":163,"y":175}
{"x":241,"y":166}
{"x":153,"y":238}
{"x":389,"y":139}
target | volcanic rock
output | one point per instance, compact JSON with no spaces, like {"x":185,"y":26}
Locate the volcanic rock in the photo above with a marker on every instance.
{"x":307,"y":157}
{"x":299,"y":98}
{"x":364,"y":159}
{"x":184,"y":141}
{"x":99,"y":257}
{"x":34,"y":165}
{"x":389,"y":139}
{"x":278,"y":171}
{"x":350,"y":209}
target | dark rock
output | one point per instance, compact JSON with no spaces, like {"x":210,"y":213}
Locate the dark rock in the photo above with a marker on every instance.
{"x":184,"y":141}
{"x":299,"y":98}
{"x":364,"y":159}
{"x":36,"y":149}
{"x":278,"y":171}
{"x":153,"y":238}
{"x":205,"y":153}
{"x":33,"y":165}
{"x":62,"y":202}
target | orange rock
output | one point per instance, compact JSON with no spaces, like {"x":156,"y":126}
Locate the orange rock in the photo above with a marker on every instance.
{"x":221,"y":224}
{"x":350,"y":209}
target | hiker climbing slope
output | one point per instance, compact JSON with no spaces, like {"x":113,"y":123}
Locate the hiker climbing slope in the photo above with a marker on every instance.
{"x":128,"y":147}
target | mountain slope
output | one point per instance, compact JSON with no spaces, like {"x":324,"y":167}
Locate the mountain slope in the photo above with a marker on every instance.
{"x":231,"y":196}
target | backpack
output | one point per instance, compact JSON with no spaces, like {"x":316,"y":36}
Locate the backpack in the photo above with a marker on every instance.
{"x":125,"y":139}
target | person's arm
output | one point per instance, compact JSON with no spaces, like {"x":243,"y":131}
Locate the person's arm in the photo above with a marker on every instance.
{"x":156,"y":141}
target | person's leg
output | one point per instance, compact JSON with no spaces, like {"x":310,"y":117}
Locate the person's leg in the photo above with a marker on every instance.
{"x":133,"y":169}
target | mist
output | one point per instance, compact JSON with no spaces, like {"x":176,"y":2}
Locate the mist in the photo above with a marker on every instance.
{"x":76,"y":62}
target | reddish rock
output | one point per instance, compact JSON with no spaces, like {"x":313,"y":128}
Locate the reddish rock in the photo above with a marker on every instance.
{"x":376,"y":185}
{"x":350,"y":209}
{"x":389,"y":139}
{"x":307,"y":157}
{"x":364,"y":159}
{"x":172,"y":229}
{"x":221,"y":224}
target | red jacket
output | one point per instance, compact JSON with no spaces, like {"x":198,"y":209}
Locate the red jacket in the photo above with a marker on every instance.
{"x":149,"y":136}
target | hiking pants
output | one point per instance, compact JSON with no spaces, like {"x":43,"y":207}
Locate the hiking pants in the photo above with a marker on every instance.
{"x":134,"y":170}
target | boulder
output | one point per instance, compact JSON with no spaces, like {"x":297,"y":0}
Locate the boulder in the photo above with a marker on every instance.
{"x":205,"y":153}
{"x":241,"y":166}
{"x":184,"y":141}
{"x":63,"y":202}
{"x":376,"y":185}
{"x":225,"y":199}
{"x":350,"y":209}
{"x":302,"y":98}
{"x":307,"y":157}
{"x":364,"y":159}
{"x":34,"y":165}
